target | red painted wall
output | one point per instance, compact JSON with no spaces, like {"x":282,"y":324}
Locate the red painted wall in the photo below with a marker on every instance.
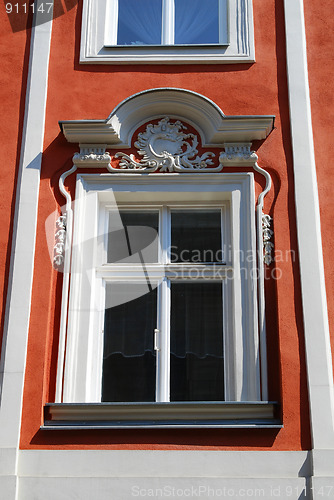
{"x":320,"y":41}
{"x":14,"y":56}
{"x":77,"y":92}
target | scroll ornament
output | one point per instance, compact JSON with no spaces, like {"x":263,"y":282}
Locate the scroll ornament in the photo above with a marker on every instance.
{"x":165,"y":147}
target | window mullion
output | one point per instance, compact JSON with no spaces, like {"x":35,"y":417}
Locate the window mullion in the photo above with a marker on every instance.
{"x":163,"y":354}
{"x":165,"y":236}
{"x":163,"y":361}
{"x":168,"y":22}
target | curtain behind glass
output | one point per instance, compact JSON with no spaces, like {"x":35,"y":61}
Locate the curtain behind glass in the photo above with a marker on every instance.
{"x":133,"y":236}
{"x":129,"y":357}
{"x":196,"y":236}
{"x":196,"y":342}
{"x":139,"y":22}
{"x":196,"y":21}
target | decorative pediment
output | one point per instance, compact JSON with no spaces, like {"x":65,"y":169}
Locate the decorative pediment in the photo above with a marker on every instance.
{"x":215,"y":128}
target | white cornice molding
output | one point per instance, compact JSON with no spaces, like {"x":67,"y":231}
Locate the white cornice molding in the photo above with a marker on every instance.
{"x":214,"y":127}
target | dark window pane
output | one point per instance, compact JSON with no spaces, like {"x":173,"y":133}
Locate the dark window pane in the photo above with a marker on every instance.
{"x":196,"y":343}
{"x":196,"y":22}
{"x":139,"y":22}
{"x":129,"y":358}
{"x":134,"y":238}
{"x":196,"y":236}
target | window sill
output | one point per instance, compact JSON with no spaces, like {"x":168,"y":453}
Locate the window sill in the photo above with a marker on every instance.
{"x":161,"y":415}
{"x":166,"y":55}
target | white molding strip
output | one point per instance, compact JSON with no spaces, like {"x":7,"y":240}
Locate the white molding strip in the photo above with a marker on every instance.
{"x":317,"y":340}
{"x":24,"y":232}
{"x":164,"y":463}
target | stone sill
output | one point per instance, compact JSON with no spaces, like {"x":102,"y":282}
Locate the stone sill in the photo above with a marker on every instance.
{"x":259,"y":414}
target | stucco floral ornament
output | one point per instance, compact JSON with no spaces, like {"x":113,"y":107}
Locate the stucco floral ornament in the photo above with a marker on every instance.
{"x":165,"y":147}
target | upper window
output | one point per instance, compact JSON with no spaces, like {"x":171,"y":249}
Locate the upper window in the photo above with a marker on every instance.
{"x":167,"y":31}
{"x":166,"y":22}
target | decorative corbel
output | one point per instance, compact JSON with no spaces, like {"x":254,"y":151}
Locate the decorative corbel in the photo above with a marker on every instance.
{"x":237,"y":153}
{"x":92,"y":156}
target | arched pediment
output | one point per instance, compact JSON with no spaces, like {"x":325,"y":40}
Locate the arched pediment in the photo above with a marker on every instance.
{"x":214,"y":127}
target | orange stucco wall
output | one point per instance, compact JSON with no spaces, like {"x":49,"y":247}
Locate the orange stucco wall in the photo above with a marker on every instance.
{"x":77,"y":92}
{"x":320,"y":40}
{"x":14,"y":56}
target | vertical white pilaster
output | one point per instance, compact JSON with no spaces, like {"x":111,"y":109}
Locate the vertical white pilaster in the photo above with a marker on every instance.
{"x":317,"y":340}
{"x":17,"y":316}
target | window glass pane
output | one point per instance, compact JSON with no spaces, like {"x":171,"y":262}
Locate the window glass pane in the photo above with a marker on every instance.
{"x":196,"y":21}
{"x":139,"y":22}
{"x":196,"y":236}
{"x":133,"y":236}
{"x":196,"y":342}
{"x":129,"y":358}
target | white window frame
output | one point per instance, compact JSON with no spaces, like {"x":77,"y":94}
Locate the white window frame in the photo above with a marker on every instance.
{"x":235,"y":192}
{"x":99,"y":37}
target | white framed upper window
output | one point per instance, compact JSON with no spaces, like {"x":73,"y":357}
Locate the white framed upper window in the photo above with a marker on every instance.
{"x":160,"y":274}
{"x":171,"y":31}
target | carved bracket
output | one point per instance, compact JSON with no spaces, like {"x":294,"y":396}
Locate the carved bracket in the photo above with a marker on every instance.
{"x":267,"y":233}
{"x":236,"y":153}
{"x":60,"y":238}
{"x":92,"y":156}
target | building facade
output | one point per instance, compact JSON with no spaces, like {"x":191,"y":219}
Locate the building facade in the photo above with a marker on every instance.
{"x":166,"y":266}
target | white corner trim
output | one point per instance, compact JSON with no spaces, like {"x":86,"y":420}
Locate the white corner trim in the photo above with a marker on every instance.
{"x":317,"y":341}
{"x":24,"y":232}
